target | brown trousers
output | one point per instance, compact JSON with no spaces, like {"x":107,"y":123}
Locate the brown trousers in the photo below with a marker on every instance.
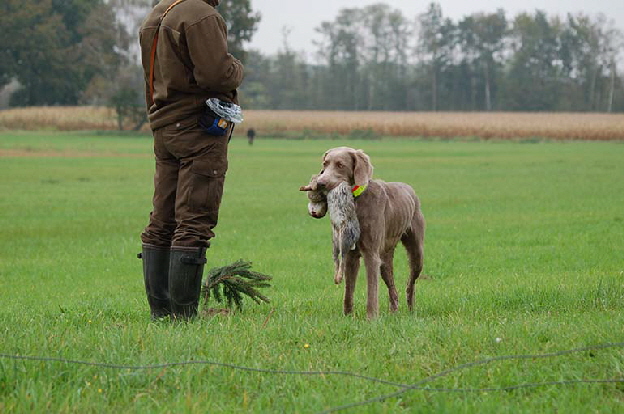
{"x":188,"y":185}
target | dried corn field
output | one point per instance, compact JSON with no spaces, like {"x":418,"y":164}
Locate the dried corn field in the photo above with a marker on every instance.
{"x":301,"y":124}
{"x":58,"y":118}
{"x":504,"y":125}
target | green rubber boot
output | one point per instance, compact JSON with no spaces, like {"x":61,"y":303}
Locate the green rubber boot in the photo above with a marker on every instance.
{"x":186,"y":268}
{"x":156,"y":277}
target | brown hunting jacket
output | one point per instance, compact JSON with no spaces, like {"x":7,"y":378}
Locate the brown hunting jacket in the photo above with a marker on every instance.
{"x":192,"y":61}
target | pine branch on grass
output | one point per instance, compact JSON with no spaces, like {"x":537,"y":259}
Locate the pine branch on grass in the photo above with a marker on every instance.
{"x":233,"y":282}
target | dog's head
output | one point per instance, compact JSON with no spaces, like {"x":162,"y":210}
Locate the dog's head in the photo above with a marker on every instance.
{"x":344,"y":164}
{"x":317,"y":198}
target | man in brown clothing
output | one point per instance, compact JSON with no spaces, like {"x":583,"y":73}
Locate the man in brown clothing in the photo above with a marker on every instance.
{"x":185,"y":61}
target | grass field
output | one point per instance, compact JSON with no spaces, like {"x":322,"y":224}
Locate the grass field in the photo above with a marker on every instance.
{"x":524,"y":255}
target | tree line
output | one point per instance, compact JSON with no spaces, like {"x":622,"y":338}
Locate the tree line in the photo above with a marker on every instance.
{"x":376,"y":58}
{"x":85,"y":52}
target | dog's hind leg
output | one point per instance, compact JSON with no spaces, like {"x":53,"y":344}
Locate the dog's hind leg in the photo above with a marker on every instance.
{"x":413,"y":242}
{"x":387,"y":274}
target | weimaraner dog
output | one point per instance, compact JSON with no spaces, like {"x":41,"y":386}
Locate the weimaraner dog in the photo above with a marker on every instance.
{"x":387,"y":213}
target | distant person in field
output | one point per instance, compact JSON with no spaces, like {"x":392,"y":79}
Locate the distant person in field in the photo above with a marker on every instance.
{"x":185,"y":62}
{"x":251,"y":134}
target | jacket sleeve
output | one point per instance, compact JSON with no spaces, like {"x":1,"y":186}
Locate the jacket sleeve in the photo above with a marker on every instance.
{"x":214,"y":68}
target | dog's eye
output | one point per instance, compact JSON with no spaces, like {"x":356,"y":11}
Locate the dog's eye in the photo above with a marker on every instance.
{"x":339,"y":165}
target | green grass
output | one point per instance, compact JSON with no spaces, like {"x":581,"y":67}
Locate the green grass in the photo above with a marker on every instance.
{"x":524,"y":243}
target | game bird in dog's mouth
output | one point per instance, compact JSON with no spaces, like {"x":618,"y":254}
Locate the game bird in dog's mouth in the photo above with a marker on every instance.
{"x":369,"y":222}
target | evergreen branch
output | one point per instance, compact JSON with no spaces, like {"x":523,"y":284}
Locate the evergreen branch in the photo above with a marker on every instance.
{"x":232,"y":283}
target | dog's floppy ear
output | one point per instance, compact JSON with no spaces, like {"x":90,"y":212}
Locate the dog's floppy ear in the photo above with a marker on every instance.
{"x":363,"y":169}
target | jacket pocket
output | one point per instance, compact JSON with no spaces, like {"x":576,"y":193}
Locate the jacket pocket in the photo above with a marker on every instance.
{"x":213,"y":124}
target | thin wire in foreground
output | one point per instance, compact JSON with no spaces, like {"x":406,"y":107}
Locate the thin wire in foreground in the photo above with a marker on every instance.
{"x":470,"y":390}
{"x":200,"y":362}
{"x":418,"y":385}
{"x":404,"y":387}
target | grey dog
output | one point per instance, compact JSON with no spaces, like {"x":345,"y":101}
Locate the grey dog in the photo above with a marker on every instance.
{"x":387,"y":213}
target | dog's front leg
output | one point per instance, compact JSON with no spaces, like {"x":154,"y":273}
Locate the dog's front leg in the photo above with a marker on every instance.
{"x":373,"y":265}
{"x":352,"y":267}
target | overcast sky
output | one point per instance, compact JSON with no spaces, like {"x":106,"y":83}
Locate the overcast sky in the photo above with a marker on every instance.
{"x":302,"y":16}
